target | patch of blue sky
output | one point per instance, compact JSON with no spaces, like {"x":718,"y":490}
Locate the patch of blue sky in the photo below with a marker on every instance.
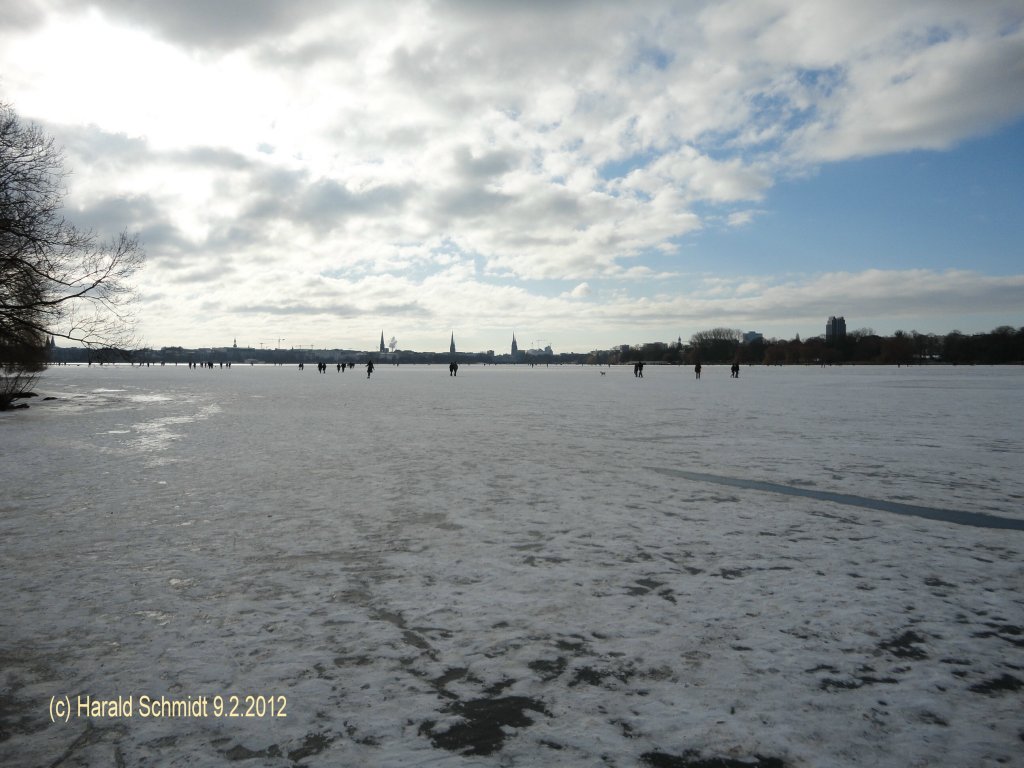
{"x":447,"y":247}
{"x":651,"y":56}
{"x":960,"y":209}
{"x":749,"y":144}
{"x":664,"y":262}
{"x":636,"y":194}
{"x":822,"y":81}
{"x":775,"y":113}
{"x":415,"y":267}
{"x":1012,"y":24}
{"x":773,"y":108}
{"x":349,"y":271}
{"x":593,"y":102}
{"x":573,"y":145}
{"x":720,"y":145}
{"x":935,"y":35}
{"x":710,"y":214}
{"x":513,"y":113}
{"x":547,"y":288}
{"x":619,"y":169}
{"x":774,"y":116}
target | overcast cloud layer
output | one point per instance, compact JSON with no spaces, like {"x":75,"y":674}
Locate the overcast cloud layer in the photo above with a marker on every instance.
{"x":321,"y":172}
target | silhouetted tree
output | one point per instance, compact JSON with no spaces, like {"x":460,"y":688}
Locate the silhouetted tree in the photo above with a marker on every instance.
{"x":653,"y":352}
{"x":999,"y":345}
{"x":898,"y":349}
{"x":954,"y":348}
{"x":717,"y":345}
{"x":55,"y":279}
{"x":813,"y":350}
{"x":867,"y":346}
{"x":21,"y":361}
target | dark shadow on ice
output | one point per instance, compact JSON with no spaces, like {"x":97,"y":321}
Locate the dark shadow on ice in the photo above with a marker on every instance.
{"x":692,"y":759}
{"x":975,"y":519}
{"x":482,"y":730}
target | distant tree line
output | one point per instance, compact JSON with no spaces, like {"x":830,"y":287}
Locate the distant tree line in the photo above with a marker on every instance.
{"x":1002,"y":345}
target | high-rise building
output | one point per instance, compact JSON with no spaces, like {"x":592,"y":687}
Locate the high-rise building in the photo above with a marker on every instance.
{"x":835,"y":330}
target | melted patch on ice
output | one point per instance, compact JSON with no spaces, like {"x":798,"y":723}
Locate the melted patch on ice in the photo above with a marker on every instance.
{"x":149,"y":398}
{"x":160,"y":617}
{"x":157,"y":434}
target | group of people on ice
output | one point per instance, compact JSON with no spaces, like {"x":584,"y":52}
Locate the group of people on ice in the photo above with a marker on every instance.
{"x":638,"y":370}
{"x":322,"y":367}
{"x":453,"y":368}
{"x":734,"y":371}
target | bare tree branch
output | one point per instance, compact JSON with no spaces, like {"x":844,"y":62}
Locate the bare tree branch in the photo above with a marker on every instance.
{"x":55,"y":279}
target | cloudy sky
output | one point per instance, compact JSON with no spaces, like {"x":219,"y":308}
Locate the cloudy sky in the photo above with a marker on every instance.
{"x":584,"y":174}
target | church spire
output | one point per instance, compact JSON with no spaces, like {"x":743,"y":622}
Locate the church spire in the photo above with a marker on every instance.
{"x":382,"y":347}
{"x":452,"y":348}
{"x":515,"y":347}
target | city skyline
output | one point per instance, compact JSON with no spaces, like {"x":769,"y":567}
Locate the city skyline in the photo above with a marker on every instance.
{"x":592,"y":173}
{"x":834,"y":332}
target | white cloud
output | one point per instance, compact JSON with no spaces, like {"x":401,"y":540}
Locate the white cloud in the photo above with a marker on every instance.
{"x":581,"y":291}
{"x":741,"y":218}
{"x":923,"y":95}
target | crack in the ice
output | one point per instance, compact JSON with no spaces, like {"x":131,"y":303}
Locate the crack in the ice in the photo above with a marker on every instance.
{"x":958,"y":517}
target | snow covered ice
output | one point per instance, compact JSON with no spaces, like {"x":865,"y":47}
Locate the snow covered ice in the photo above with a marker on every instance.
{"x":515,"y":567}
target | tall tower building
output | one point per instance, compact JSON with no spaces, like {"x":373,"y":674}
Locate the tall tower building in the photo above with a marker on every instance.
{"x":451,"y":349}
{"x":515,"y":347}
{"x":382,"y":347}
{"x":835,"y":330}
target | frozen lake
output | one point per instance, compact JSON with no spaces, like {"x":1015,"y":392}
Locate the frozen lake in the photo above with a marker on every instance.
{"x":516,"y":567}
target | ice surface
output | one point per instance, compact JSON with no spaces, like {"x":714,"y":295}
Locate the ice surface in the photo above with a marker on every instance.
{"x":508,"y":567}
